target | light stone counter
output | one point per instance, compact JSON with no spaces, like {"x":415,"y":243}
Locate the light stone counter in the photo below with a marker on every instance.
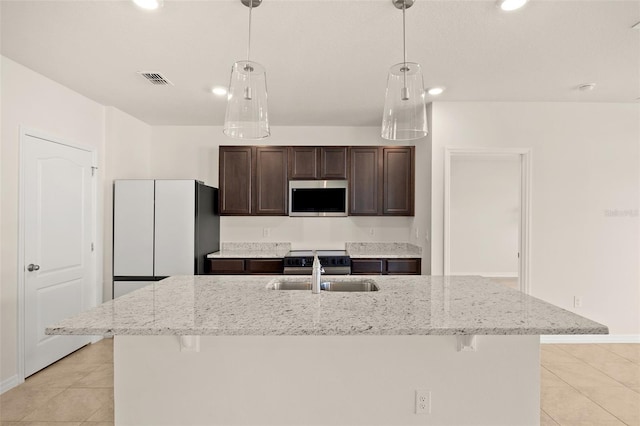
{"x":405,"y":305}
{"x":354,"y":250}
{"x":200,"y":350}
{"x":251,"y":250}
{"x":383,"y":250}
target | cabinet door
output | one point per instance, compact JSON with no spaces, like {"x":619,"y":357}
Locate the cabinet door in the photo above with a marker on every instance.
{"x":398,"y":185}
{"x":133,"y":228}
{"x":270,"y":181}
{"x":235,"y":180}
{"x":367,"y":266}
{"x":226,"y":266}
{"x":264,"y":266}
{"x":303,"y":162}
{"x":364,"y":182}
{"x":403,"y":266}
{"x":333,"y":162}
{"x":175,"y":224}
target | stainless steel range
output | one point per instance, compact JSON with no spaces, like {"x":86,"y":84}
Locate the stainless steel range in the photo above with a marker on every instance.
{"x":334,"y":262}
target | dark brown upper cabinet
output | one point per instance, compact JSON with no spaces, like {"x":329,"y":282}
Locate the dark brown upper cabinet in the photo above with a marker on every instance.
{"x":365,"y":195}
{"x":253,"y":180}
{"x":398,"y":181}
{"x":382,"y":181}
{"x":333,"y":162}
{"x":323,"y":162}
{"x":271,"y":181}
{"x":235,"y":180}
{"x":303,"y":162}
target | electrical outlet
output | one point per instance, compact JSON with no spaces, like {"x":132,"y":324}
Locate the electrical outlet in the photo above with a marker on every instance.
{"x":423,"y":401}
{"x":266,"y":232}
{"x":577,"y":302}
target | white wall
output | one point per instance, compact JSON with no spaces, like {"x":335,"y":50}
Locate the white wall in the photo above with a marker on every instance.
{"x":585,"y":199}
{"x":32,"y":100}
{"x":189,"y":152}
{"x":485,"y":215}
{"x":128,"y":156}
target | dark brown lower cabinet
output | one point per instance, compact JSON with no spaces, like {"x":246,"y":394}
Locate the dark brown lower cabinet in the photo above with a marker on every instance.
{"x":367,"y":266}
{"x":224,"y":266}
{"x":403,"y":266}
{"x":386,"y":266}
{"x":264,"y":266}
{"x":374,"y":266}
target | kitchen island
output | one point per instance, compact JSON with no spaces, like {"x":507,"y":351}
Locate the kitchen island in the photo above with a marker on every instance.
{"x":222,"y":350}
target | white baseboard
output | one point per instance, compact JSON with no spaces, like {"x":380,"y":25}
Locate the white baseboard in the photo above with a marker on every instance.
{"x":9,"y":383}
{"x":488,"y":274}
{"x":592,"y":338}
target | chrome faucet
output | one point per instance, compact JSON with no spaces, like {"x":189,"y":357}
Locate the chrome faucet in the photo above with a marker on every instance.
{"x":316,"y":274}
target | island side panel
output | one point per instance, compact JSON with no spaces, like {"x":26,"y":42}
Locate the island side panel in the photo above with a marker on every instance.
{"x":325,"y":380}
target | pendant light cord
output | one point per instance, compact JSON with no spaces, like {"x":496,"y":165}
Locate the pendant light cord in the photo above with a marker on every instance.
{"x":404,"y":36}
{"x":404,"y":46}
{"x":249,"y":41}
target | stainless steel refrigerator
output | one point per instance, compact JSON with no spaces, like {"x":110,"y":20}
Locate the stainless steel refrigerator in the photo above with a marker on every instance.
{"x":161,"y":228}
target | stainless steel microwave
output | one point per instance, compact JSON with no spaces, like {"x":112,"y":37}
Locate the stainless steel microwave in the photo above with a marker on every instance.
{"x":318,"y":197}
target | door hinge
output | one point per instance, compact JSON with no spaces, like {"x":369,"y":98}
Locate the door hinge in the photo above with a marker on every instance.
{"x":92,"y":248}
{"x":93,"y":170}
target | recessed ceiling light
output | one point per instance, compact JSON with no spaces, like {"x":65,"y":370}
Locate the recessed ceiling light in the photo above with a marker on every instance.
{"x":435,"y":91}
{"x":587,"y":87}
{"x":509,"y":5}
{"x":219,"y":90}
{"x":148,"y":4}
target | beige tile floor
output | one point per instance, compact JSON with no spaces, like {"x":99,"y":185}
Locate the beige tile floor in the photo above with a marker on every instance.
{"x":77,"y":390}
{"x":580,"y":385}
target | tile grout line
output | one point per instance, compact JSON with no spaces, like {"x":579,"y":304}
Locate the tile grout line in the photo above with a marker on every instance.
{"x":583,"y":394}
{"x":62,"y":389}
{"x":559,"y":378}
{"x":551,"y":417}
{"x":587,"y":396}
{"x":621,"y":356}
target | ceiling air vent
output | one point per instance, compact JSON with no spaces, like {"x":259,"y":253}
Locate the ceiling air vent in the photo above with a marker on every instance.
{"x":155,"y":78}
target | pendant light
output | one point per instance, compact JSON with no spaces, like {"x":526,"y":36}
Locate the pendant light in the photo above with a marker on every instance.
{"x":405,"y":110}
{"x":246,"y":116}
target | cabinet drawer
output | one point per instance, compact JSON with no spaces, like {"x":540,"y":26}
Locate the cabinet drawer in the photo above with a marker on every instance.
{"x":367,"y":266}
{"x":226,"y":266}
{"x":403,"y":266}
{"x":264,"y":266}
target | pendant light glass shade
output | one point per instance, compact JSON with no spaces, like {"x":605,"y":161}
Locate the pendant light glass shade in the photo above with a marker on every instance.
{"x":246,"y":116}
{"x":405,"y":110}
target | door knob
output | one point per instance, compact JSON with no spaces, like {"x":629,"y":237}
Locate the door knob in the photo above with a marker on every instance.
{"x":33,"y":267}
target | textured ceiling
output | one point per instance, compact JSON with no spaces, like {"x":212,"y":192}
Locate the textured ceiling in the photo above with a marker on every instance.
{"x":326,"y":60}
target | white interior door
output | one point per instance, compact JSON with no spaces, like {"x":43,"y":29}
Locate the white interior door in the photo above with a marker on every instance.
{"x":58,"y":228}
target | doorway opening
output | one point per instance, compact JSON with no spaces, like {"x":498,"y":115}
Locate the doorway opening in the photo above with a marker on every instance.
{"x":487,"y":203}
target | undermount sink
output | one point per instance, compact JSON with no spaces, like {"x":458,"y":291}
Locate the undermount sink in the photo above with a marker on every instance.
{"x":352,"y":285}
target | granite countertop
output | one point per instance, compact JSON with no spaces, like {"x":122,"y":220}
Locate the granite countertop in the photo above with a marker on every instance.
{"x":354,"y":250}
{"x":405,"y":305}
{"x":251,"y":250}
{"x":383,"y":250}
